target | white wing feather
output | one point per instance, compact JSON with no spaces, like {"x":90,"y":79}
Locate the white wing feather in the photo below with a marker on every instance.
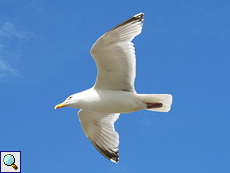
{"x":115,"y":57}
{"x":99,"y":128}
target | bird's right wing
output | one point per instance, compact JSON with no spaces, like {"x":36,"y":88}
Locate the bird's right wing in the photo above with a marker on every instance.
{"x":99,"y":128}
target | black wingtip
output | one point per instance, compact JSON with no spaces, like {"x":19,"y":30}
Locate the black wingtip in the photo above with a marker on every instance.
{"x":139,"y":16}
{"x":109,"y":154}
{"x":115,"y":160}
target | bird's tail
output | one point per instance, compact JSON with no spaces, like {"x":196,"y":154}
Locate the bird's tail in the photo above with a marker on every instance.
{"x":156,"y":102}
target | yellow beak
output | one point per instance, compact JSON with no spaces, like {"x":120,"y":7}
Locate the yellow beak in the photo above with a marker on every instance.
{"x":60,"y":105}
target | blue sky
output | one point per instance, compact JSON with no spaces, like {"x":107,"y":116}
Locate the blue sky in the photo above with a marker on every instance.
{"x":183,"y":50}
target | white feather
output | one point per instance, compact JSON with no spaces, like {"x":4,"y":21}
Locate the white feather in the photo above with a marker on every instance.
{"x":99,"y":128}
{"x":115,"y":57}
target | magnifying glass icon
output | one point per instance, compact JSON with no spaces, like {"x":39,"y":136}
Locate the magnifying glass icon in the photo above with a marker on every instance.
{"x":9,"y":160}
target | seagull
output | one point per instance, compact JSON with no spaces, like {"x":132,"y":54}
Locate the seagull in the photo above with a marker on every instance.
{"x":113,"y":92}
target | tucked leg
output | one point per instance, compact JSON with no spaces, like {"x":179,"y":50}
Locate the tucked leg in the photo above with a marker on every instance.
{"x":154,"y":105}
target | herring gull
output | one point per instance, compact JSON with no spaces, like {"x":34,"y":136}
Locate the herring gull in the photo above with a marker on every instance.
{"x":113,"y":92}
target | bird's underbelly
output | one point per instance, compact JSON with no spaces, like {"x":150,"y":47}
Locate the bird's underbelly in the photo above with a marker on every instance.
{"x":115,"y":102}
{"x":116,"y":107}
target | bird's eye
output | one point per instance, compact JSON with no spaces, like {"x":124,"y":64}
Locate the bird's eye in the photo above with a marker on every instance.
{"x":69,"y":97}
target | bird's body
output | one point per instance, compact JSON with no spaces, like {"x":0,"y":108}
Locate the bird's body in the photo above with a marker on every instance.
{"x":114,"y":91}
{"x":107,"y":101}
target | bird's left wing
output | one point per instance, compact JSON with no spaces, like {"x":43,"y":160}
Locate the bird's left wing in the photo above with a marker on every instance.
{"x":115,"y":56}
{"x":99,"y":128}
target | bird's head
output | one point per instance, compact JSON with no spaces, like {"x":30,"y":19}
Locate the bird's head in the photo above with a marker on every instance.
{"x":66,"y":103}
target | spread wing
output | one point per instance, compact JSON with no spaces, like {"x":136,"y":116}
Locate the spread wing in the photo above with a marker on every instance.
{"x":115,"y":57}
{"x":99,"y":128}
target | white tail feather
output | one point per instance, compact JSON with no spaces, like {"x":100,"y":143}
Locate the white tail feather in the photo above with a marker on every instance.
{"x":165,"y":99}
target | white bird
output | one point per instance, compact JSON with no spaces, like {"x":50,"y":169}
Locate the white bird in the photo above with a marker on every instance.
{"x":113,"y":92}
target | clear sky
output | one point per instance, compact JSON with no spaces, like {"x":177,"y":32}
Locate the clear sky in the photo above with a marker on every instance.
{"x":183,"y":50}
